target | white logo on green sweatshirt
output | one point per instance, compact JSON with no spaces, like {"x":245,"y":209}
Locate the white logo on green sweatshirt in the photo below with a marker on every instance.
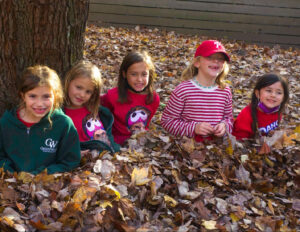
{"x":50,"y":146}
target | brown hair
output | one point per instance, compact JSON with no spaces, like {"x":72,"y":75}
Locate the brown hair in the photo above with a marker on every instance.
{"x":91,"y":71}
{"x":39,"y":75}
{"x":192,"y":71}
{"x":130,"y":59}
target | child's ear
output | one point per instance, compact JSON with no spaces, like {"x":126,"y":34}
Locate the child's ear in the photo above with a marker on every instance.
{"x":124,"y":74}
{"x":257,"y":93}
{"x":22,"y":96}
{"x":196,"y":62}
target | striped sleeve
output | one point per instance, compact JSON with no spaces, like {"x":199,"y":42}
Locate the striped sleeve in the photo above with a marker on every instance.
{"x":228,"y":116}
{"x":171,"y":119}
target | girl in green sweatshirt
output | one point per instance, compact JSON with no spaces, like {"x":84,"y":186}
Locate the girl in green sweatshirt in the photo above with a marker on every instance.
{"x":37,"y":135}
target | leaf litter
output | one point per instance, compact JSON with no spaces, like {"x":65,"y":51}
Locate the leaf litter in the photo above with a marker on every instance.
{"x":162,"y":183}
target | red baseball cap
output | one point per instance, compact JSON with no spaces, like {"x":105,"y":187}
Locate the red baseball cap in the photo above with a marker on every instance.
{"x":209,"y":47}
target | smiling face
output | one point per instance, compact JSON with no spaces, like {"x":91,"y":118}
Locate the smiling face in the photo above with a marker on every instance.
{"x":210,"y":66}
{"x":272,"y":95}
{"x":38,"y":102}
{"x":80,"y":91}
{"x":137,"y":76}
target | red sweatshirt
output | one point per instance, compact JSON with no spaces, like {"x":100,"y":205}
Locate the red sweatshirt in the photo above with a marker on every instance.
{"x":128,"y":117}
{"x":242,"y":124}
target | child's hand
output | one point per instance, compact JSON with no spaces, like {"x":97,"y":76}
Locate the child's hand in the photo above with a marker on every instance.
{"x":220,"y":129}
{"x":84,"y":152}
{"x":204,"y":128}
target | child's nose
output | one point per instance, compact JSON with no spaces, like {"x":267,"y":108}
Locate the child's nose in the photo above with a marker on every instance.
{"x":140,"y":77}
{"x":82,"y":93}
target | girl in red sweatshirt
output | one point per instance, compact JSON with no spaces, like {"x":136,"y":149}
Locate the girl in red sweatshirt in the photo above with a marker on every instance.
{"x":264,"y":112}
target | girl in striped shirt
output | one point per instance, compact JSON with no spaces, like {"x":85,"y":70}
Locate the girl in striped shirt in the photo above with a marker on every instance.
{"x":201,"y":106}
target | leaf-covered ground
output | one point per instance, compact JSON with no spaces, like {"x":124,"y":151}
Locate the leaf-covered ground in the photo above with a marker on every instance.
{"x":162,"y":183}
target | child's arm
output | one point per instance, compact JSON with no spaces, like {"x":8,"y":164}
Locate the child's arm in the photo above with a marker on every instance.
{"x":105,"y":101}
{"x":242,"y":124}
{"x":171,"y":118}
{"x":228,"y":116}
{"x":4,"y":161}
{"x":155,"y":105}
{"x":68,"y":152}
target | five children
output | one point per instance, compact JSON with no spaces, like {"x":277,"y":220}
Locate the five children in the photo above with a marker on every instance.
{"x":199,"y":107}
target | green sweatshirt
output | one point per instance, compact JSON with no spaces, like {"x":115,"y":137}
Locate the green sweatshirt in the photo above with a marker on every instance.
{"x":107,"y":120}
{"x":40,"y":146}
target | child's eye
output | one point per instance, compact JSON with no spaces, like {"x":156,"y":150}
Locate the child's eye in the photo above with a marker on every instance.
{"x":32,"y":96}
{"x":78,"y":87}
{"x":47,"y":96}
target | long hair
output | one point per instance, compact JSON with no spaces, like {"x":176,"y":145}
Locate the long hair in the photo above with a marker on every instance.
{"x":192,"y":71}
{"x":262,"y":82}
{"x":37,"y":76}
{"x":130,"y":59}
{"x":85,"y":69}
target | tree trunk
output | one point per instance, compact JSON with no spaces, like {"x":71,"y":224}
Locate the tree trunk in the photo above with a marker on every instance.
{"x":48,"y":32}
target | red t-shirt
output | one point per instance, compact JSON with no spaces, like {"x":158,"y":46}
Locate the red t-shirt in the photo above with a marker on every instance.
{"x":27,"y":124}
{"x":242,"y":124}
{"x":135,"y":114}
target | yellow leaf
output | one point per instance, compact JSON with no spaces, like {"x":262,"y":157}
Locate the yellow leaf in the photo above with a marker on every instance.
{"x":25,"y":177}
{"x":8,"y":221}
{"x":234,"y":218}
{"x":104,"y":204}
{"x":229,"y":149}
{"x":140,"y":176}
{"x":84,"y":193}
{"x":271,"y":207}
{"x":288,"y":140}
{"x":238,"y":91}
{"x":209,"y":225}
{"x":297,"y":129}
{"x":170,"y":201}
{"x":281,"y":173}
{"x":44,"y":178}
{"x":175,"y":175}
{"x":269,"y":162}
{"x":93,"y":47}
{"x":163,"y":58}
{"x":112,"y":191}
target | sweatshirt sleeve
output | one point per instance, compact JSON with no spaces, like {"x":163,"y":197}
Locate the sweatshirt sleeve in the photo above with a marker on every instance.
{"x":5,"y":162}
{"x":228,"y":117}
{"x":242,"y":125}
{"x":68,"y":153}
{"x":105,"y":101}
{"x":155,"y":105}
{"x":171,"y":118}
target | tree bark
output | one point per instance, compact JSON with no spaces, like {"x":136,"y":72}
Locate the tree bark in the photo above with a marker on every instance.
{"x":48,"y":32}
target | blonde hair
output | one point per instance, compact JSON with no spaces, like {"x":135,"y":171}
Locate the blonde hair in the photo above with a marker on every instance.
{"x":37,"y":76}
{"x":192,"y":71}
{"x":91,"y":71}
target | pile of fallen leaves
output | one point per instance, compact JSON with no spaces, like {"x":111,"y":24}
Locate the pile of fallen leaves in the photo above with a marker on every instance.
{"x":162,"y":183}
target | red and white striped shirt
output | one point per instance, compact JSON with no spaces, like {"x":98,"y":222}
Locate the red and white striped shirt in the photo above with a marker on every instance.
{"x":190,"y":104}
